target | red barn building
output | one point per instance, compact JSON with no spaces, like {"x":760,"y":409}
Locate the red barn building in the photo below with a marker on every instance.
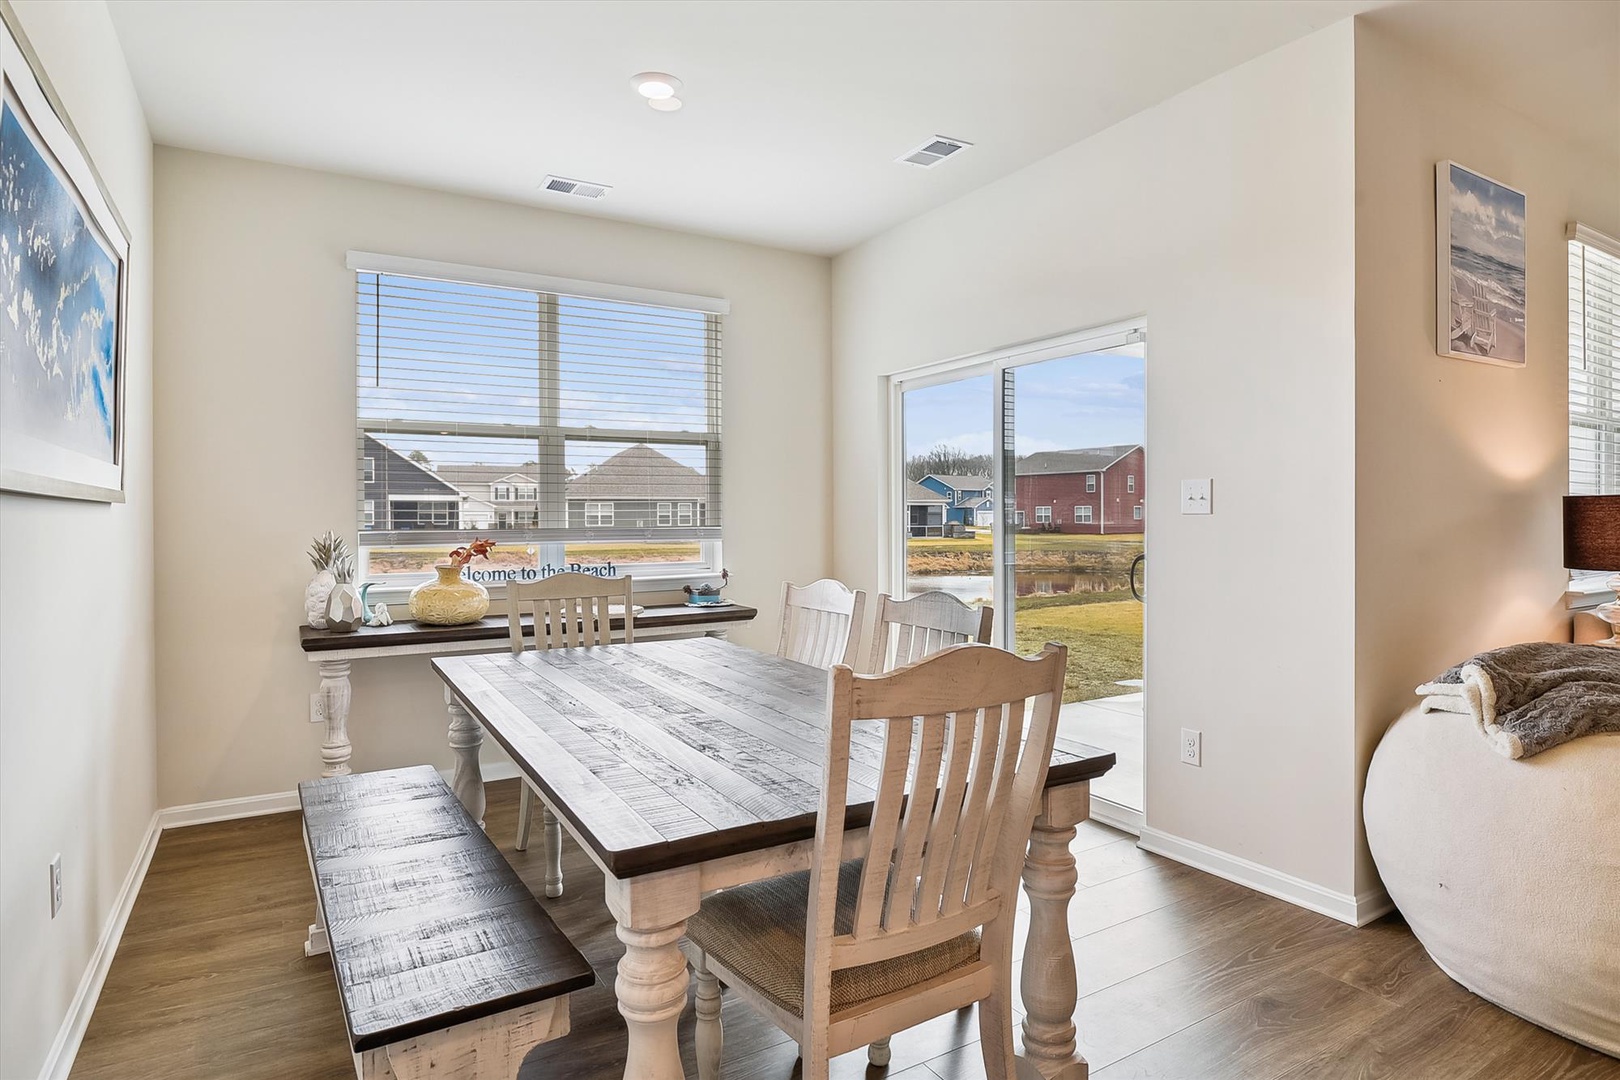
{"x":1096,"y":490}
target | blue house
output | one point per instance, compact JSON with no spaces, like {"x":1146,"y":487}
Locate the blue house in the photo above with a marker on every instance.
{"x":966,"y":498}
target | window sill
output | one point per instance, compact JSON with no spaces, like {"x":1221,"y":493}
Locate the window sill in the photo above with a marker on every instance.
{"x":1589,"y":592}
{"x":649,"y":586}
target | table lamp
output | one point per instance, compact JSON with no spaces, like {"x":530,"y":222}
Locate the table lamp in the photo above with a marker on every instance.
{"x":1592,"y":542}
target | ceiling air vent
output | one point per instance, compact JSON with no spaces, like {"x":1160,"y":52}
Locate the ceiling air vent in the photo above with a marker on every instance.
{"x":934,"y":151}
{"x":583,"y":188}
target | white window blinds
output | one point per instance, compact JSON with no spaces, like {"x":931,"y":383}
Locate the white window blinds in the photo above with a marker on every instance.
{"x":546,"y":421}
{"x":1594,"y":363}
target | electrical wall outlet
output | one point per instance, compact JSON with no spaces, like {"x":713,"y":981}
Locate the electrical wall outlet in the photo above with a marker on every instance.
{"x":317,"y":707}
{"x":1192,"y":747}
{"x":56,"y":885}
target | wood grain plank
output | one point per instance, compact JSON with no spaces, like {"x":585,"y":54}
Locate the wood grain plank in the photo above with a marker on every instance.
{"x":663,"y":754}
{"x":428,"y":933}
{"x":496,"y":627}
{"x":1268,"y":1033}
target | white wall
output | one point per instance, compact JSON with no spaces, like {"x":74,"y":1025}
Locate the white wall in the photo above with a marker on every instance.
{"x":1459,"y":465}
{"x":1227,"y":216}
{"x":77,"y":730}
{"x":255,"y":413}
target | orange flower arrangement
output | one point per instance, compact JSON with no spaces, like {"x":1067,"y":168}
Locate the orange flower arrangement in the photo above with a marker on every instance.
{"x":478,"y":549}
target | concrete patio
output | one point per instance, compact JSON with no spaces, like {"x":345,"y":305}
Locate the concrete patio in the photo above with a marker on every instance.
{"x":1112,"y":723}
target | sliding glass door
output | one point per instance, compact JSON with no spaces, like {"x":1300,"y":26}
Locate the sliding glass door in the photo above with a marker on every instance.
{"x":1023,"y":483}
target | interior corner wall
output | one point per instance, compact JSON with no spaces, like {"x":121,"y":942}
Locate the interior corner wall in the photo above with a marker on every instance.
{"x":1226,"y":215}
{"x":255,"y":445}
{"x":77,"y":728}
{"x":1459,"y":465}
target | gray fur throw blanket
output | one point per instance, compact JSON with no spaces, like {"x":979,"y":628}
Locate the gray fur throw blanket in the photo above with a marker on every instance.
{"x":1529,"y":698}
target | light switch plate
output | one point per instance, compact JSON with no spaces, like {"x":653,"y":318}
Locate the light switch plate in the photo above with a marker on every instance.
{"x":1195,"y":497}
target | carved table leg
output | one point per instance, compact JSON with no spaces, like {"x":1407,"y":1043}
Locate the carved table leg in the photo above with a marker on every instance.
{"x":335,"y":688}
{"x":652,"y":911}
{"x":551,"y":836}
{"x":1048,"y":985}
{"x":465,"y":739}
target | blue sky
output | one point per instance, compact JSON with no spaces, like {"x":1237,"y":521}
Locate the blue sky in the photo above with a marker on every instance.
{"x":1095,"y":399}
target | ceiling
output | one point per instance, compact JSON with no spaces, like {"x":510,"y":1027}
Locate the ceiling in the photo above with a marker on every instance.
{"x":794,"y":110}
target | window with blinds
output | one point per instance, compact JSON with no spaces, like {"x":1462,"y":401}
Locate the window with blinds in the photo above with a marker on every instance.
{"x":1594,"y":363}
{"x":578,"y":432}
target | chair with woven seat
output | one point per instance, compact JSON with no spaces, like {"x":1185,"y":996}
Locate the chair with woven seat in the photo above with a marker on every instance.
{"x":908,"y":630}
{"x":847,"y":954}
{"x":570,"y":610}
{"x":821,"y":623}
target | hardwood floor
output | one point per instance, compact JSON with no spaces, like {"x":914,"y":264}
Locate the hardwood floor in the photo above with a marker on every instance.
{"x":1183,"y":975}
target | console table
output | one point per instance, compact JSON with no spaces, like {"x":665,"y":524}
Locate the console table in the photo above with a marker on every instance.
{"x":332,"y":652}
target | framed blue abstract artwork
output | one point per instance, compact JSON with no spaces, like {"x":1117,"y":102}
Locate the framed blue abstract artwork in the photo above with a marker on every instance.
{"x":64,"y":267}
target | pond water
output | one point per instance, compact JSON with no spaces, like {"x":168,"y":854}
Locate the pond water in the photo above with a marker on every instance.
{"x":969,"y":588}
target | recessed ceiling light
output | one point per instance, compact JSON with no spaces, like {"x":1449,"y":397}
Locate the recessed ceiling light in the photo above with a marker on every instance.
{"x":655,"y":85}
{"x":668,"y":104}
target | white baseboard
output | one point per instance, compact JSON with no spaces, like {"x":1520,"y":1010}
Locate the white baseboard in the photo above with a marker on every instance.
{"x":1355,"y":910}
{"x":1116,"y":815}
{"x":175,"y":817}
{"x":59,"y":1061}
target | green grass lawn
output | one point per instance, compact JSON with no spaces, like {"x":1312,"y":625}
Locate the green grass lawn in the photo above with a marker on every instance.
{"x":1104,"y":637}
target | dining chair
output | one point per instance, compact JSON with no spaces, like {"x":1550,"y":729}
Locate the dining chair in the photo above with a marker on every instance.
{"x":570,"y":610}
{"x":846,"y":954}
{"x":908,"y":630}
{"x":821,"y":623}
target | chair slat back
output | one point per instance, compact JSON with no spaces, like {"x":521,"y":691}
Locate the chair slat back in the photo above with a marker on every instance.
{"x":821,"y":623}
{"x":963,"y":766}
{"x":908,"y":630}
{"x":569,"y":610}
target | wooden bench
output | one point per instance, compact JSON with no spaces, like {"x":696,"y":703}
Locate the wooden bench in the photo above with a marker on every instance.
{"x":446,"y":964}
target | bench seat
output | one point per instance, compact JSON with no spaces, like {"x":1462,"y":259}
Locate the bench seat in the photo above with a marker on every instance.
{"x":445,"y":962}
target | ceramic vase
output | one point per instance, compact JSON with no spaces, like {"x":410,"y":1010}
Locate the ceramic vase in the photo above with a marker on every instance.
{"x":344,"y":611}
{"x":449,"y":601}
{"x":316,"y":597}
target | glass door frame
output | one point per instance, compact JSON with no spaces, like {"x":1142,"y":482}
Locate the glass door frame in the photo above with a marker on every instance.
{"x":892,"y":571}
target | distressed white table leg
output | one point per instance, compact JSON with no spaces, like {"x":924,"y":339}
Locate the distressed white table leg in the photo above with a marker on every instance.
{"x":551,"y":837}
{"x":465,"y":739}
{"x":718,"y":633}
{"x":335,"y":688}
{"x":1049,"y":988}
{"x":710,"y":1035}
{"x":652,"y":911}
{"x":315,"y":942}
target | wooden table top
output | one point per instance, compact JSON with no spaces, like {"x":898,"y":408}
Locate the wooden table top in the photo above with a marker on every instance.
{"x":494,"y":627}
{"x":672,"y":753}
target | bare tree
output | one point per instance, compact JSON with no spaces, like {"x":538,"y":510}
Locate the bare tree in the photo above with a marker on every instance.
{"x":945,"y":460}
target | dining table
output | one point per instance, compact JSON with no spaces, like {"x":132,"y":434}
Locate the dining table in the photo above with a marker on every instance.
{"x":690,"y":765}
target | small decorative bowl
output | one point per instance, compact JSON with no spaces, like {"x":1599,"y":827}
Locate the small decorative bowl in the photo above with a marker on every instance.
{"x":705,"y":595}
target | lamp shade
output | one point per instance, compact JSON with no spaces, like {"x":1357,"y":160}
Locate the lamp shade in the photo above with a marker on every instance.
{"x":1592,"y":532}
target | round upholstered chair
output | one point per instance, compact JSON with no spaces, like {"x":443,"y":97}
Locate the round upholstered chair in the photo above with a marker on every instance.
{"x":1507,"y":871}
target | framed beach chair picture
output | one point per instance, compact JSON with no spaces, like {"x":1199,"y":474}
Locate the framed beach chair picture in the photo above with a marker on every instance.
{"x":1479,"y":267}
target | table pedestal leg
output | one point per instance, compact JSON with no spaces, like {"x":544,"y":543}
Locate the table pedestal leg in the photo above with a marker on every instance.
{"x":1049,"y":987}
{"x":335,"y":688}
{"x":465,"y":739}
{"x":551,"y":833}
{"x":651,"y":987}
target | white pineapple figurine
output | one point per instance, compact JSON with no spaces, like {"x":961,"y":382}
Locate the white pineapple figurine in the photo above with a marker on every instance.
{"x":327,"y":549}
